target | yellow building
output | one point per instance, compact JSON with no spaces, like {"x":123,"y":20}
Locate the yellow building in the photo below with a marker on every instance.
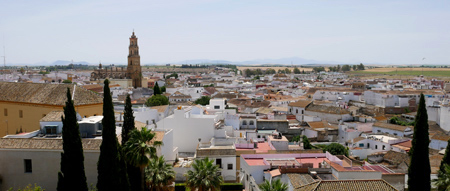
{"x":22,"y":105}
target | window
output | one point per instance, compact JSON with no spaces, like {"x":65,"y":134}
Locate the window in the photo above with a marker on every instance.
{"x":252,"y":123}
{"x":27,"y":165}
{"x":244,"y":122}
{"x":361,"y":144}
{"x":219,"y":162}
{"x":376,"y":146}
{"x":368,"y":145}
{"x":217,"y":107}
{"x":6,"y":112}
{"x":230,"y":166}
{"x":20,"y":113}
{"x":50,"y":129}
{"x":384,"y":147}
{"x":296,"y":110}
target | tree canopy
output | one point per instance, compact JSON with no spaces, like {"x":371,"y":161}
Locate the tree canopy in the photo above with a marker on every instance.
{"x":156,"y":89}
{"x":72,"y":175}
{"x":204,"y":177}
{"x":110,"y":178}
{"x":157,"y":100}
{"x":204,"y":100}
{"x":419,"y":169}
{"x":66,"y":82}
{"x":275,"y":185}
{"x":336,"y":149}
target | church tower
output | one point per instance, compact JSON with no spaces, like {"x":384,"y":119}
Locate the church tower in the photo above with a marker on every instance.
{"x":134,"y":63}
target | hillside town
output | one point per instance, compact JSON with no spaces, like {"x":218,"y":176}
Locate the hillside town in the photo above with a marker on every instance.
{"x":255,"y":128}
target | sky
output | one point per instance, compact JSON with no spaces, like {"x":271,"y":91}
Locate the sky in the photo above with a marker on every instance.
{"x":383,"y":31}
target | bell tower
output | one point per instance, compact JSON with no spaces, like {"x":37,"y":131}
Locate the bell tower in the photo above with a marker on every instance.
{"x":134,"y":63}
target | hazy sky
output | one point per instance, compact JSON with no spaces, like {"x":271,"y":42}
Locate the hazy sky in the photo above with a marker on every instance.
{"x":399,"y":32}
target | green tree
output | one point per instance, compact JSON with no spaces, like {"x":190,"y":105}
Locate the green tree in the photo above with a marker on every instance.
{"x":318,"y":69}
{"x":204,"y":100}
{"x":163,"y":89}
{"x":72,"y":175}
{"x":306,"y":143}
{"x":66,"y":82}
{"x":419,"y":169}
{"x":336,"y":149}
{"x":157,"y":100}
{"x":296,"y":71}
{"x":275,"y":185}
{"x":296,"y":138}
{"x":159,"y":174}
{"x":443,"y":181}
{"x":361,"y":66}
{"x":354,"y":67}
{"x":270,"y":71}
{"x":204,"y":177}
{"x":133,"y":172}
{"x":443,"y":171}
{"x":110,"y":164}
{"x":156,"y":89}
{"x":287,"y":71}
{"x":29,"y":188}
{"x":346,"y":68}
{"x":137,"y":150}
{"x":338,"y":68}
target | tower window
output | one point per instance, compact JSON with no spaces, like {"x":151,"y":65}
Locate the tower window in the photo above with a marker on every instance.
{"x":20,"y":113}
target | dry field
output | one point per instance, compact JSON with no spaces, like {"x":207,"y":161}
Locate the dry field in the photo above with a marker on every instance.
{"x":276,"y":68}
{"x":406,"y":69}
{"x":439,"y":73}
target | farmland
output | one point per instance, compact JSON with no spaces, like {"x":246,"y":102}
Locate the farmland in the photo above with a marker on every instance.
{"x":276,"y":68}
{"x":427,"y":72}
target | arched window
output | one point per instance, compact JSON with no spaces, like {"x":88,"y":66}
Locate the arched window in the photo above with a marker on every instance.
{"x":296,"y":110}
{"x":244,"y":122}
{"x":252,"y":123}
{"x":384,"y":147}
{"x":376,"y":146}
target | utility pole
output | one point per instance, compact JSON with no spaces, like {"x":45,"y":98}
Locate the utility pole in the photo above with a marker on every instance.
{"x":4,"y":63}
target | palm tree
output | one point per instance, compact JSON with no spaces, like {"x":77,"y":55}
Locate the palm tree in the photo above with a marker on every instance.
{"x":444,"y":179}
{"x":204,"y":177}
{"x":276,"y":185}
{"x":159,"y":174}
{"x":137,"y":149}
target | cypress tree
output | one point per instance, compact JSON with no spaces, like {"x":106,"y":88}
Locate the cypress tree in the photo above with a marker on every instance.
{"x":156,"y":89}
{"x":133,"y":172}
{"x":110,"y":167}
{"x":128,"y":120}
{"x":419,"y":169}
{"x":445,"y":160}
{"x":72,"y":175}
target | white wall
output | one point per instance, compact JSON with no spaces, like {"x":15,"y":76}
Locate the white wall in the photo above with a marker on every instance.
{"x":187,"y":129}
{"x":438,"y":144}
{"x":444,"y":118}
{"x":376,"y":129}
{"x":45,"y":167}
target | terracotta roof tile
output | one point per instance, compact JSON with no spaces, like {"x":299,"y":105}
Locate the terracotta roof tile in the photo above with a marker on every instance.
{"x":45,"y":143}
{"x":390,"y":126}
{"x":53,"y":116}
{"x":348,"y":185}
{"x":48,"y":94}
{"x":300,"y":103}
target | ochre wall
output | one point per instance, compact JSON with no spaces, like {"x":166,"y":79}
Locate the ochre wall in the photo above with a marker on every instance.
{"x":32,"y":113}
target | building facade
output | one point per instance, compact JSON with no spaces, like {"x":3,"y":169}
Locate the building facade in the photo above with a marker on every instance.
{"x":132,"y":72}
